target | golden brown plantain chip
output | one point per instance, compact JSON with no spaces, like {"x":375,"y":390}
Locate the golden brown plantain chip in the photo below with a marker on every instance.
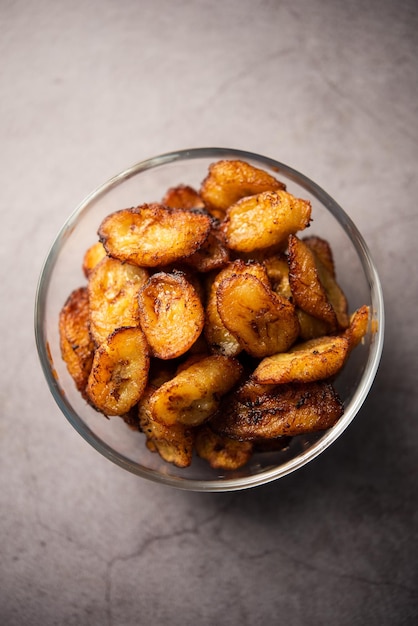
{"x":113,"y":296}
{"x":218,"y":337}
{"x":171,"y":314}
{"x":220,"y":451}
{"x":92,"y":257}
{"x":119,"y":373}
{"x":264,"y":221}
{"x":152,"y":235}
{"x":77,"y":346}
{"x":358,"y":327}
{"x":307,"y":289}
{"x":262,"y":322}
{"x":312,"y":360}
{"x":212,"y":254}
{"x":183,"y":197}
{"x":289,"y":410}
{"x":228,"y":181}
{"x":193,"y":395}
{"x":311,"y":327}
{"x":322,"y":250}
{"x":173,"y":443}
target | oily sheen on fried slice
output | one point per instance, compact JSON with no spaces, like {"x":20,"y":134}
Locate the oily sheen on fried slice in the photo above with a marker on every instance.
{"x":152,"y":235}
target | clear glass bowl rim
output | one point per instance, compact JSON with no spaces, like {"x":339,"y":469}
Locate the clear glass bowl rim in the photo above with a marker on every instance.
{"x":329,"y":437}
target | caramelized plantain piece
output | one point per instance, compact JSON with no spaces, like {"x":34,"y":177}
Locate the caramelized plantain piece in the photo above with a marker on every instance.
{"x":263,"y":322}
{"x":220,"y":451}
{"x":193,"y":395}
{"x":278,"y":273}
{"x":335,"y":294}
{"x":322,"y":250}
{"x":218,"y":337}
{"x":310,"y":327}
{"x":212,"y":255}
{"x":77,"y":346}
{"x":228,"y":181}
{"x":183,"y":197}
{"x":307,"y":289}
{"x":173,"y":443}
{"x":113,"y":289}
{"x":152,"y":235}
{"x":288,"y":410}
{"x":171,"y":314}
{"x":249,"y":391}
{"x":358,"y":327}
{"x":92,"y":257}
{"x":312,"y":360}
{"x":265,"y":220}
{"x":119,"y":372}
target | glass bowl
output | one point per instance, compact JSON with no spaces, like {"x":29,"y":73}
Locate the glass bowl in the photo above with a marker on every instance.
{"x":146,"y":182}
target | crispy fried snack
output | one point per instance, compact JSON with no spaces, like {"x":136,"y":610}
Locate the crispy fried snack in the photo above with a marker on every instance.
{"x":170,"y":313}
{"x":359,"y":324}
{"x":310,"y":327}
{"x":307,"y":289}
{"x":265,"y":220}
{"x":220,"y":451}
{"x":312,"y":360}
{"x":208,"y":324}
{"x":193,"y":395}
{"x":92,"y":257}
{"x":119,"y":372}
{"x":263,"y":322}
{"x":228,"y":181}
{"x":183,"y":197}
{"x":288,"y":410}
{"x":77,"y":346}
{"x":334,"y":293}
{"x":173,"y":443}
{"x":278,"y":273}
{"x":113,"y":289}
{"x":152,"y":235}
{"x":322,"y":250}
{"x":218,"y":337}
{"x":212,"y":254}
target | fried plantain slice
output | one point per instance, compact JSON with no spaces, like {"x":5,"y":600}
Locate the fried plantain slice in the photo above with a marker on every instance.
{"x":92,"y":257}
{"x":193,"y":395}
{"x":119,"y":372}
{"x":263,"y":322}
{"x":335,"y":294}
{"x":312,"y":360}
{"x":218,"y":337}
{"x":77,"y":346}
{"x":278,"y":273}
{"x":288,"y":410}
{"x":173,"y":443}
{"x":358,"y":326}
{"x":307,"y":289}
{"x":152,"y":235}
{"x":264,"y":221}
{"x":322,"y":250}
{"x":220,"y":451}
{"x":212,"y":254}
{"x":311,"y":327}
{"x":171,"y":314}
{"x":228,"y":181}
{"x":183,"y":197}
{"x":113,"y":289}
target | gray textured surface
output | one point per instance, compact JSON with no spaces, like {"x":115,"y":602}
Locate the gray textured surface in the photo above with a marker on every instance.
{"x":87,"y":89}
